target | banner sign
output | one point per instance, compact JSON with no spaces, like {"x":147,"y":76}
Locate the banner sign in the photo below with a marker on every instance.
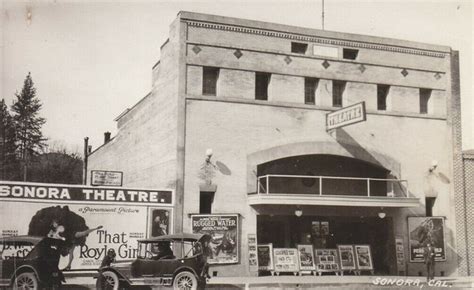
{"x":363,"y":257}
{"x":77,"y":193}
{"x":306,"y":257}
{"x":346,"y":257}
{"x":252,"y":252}
{"x":346,"y":116}
{"x":101,"y":227}
{"x":265,"y":257}
{"x":224,"y":230}
{"x":106,"y":178}
{"x":286,"y":260}
{"x":422,"y":230}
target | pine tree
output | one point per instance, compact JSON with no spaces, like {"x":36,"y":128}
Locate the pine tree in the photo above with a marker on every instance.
{"x":9,"y":169}
{"x":28,"y":124}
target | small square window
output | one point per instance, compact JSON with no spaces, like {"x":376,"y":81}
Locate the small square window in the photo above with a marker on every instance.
{"x":310,"y":87}
{"x":425,"y":95}
{"x":382,"y":93}
{"x":348,"y":53}
{"x":262,"y":80}
{"x":338,"y":88}
{"x":297,"y":47}
{"x":210,"y":75}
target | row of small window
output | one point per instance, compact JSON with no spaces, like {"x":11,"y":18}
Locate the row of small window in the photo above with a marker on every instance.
{"x":262,"y":81}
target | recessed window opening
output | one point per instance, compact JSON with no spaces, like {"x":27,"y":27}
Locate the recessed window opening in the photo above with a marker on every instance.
{"x":348,"y":53}
{"x":425,"y":95}
{"x":310,"y":87}
{"x":206,"y":198}
{"x":382,"y":93}
{"x":338,"y":88}
{"x":210,"y":75}
{"x":262,"y":80}
{"x":297,"y":47}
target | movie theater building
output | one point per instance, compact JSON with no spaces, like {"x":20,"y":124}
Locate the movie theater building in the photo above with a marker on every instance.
{"x":236,"y":123}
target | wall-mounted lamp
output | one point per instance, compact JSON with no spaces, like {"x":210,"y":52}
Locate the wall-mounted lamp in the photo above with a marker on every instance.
{"x":434,"y":165}
{"x":208,"y":155}
{"x":382,"y":214}
{"x":298,"y":212}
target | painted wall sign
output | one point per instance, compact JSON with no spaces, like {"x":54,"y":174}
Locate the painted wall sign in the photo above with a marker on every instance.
{"x":224,"y":230}
{"x":346,"y":116}
{"x":78,"y":193}
{"x":106,"y":178}
{"x":422,"y":230}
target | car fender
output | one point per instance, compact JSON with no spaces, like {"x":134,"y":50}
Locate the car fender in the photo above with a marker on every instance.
{"x":22,"y":269}
{"x":185,"y":268}
{"x":112,"y":269}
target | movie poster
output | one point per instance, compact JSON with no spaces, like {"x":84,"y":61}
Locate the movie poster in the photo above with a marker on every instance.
{"x":363,"y":257}
{"x":286,"y":260}
{"x":160,"y":222}
{"x":265,"y":257}
{"x":252,"y":252}
{"x":346,"y":257}
{"x":422,"y":230}
{"x":306,"y":257}
{"x":224,"y":230}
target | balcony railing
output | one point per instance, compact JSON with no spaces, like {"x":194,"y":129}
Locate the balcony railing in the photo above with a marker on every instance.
{"x":331,"y":186}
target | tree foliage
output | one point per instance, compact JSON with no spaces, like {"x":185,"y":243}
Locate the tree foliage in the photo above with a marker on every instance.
{"x":9,"y":167}
{"x":28,"y":123}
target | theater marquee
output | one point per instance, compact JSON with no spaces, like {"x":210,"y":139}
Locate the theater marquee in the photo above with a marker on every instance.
{"x":346,"y":116}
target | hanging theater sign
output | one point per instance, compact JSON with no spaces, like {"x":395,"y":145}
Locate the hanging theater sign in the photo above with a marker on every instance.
{"x":91,"y":220}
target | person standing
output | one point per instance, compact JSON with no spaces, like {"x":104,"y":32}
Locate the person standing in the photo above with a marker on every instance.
{"x":429,"y":255}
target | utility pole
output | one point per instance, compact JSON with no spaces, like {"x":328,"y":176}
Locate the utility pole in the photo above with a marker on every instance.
{"x":86,"y":153}
{"x":322,"y":14}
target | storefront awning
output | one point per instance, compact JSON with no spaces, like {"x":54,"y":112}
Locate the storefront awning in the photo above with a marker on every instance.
{"x":325,"y":200}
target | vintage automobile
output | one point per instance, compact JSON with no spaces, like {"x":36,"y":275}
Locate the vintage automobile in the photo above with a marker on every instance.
{"x":29,"y":262}
{"x":177,"y":260}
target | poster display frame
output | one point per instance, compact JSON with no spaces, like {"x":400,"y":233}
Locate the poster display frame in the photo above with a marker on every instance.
{"x":358,"y":258}
{"x":295,"y":259}
{"x":340,"y":249}
{"x":300,"y":247}
{"x":271,"y":266}
{"x":416,"y":251}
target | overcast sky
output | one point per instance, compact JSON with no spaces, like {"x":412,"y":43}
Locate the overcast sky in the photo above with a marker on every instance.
{"x":90,"y":61}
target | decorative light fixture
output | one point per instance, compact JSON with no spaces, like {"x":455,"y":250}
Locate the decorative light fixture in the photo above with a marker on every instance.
{"x":382,"y":214}
{"x":298,"y":212}
{"x":208,"y":155}
{"x":434,"y":165}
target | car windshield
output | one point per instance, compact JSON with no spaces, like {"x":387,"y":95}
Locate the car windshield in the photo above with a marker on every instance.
{"x":168,"y":249}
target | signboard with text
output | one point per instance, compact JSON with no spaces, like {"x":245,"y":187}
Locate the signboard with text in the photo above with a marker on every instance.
{"x":346,"y":116}
{"x":92,"y":221}
{"x":106,"y":178}
{"x":286,"y":260}
{"x":423,"y":230}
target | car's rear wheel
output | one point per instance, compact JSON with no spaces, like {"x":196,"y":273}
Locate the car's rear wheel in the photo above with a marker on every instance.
{"x":185,"y":281}
{"x":109,"y":281}
{"x":26,"y":280}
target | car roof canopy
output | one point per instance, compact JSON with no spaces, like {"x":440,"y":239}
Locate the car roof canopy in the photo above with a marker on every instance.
{"x":175,"y":237}
{"x":21,"y":240}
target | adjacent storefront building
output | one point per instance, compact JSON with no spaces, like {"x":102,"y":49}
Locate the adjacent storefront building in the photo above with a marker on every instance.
{"x":299,"y":150}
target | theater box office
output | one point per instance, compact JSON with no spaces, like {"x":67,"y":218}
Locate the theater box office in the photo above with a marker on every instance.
{"x":236,"y":123}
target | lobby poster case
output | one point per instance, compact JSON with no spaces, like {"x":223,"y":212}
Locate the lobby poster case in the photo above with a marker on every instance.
{"x":306,"y":257}
{"x":265,"y":257}
{"x":224,"y":230}
{"x":422,"y":230}
{"x":346,"y":257}
{"x":363,"y":257}
{"x":286,"y":260}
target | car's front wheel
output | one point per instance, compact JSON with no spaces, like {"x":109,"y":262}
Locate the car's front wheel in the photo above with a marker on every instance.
{"x":185,"y":281}
{"x":26,"y":280}
{"x":108,"y":280}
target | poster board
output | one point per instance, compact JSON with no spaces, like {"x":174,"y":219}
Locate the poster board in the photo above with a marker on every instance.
{"x":286,"y":260}
{"x":346,"y":257}
{"x":306,"y":257}
{"x":327,"y":260}
{"x":400,"y":251}
{"x":122,"y":213}
{"x":265,"y":257}
{"x":363,"y":257}
{"x":106,"y":178}
{"x":424,"y":229}
{"x":252,"y":252}
{"x":224,"y":230}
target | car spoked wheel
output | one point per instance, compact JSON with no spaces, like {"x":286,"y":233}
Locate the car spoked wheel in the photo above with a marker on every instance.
{"x":185,"y":281}
{"x":110,"y":281}
{"x":25,"y":281}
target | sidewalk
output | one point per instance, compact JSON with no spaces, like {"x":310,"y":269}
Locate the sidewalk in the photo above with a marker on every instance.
{"x":313,"y":282}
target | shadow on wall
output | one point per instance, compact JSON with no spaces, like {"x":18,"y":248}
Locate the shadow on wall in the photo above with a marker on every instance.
{"x":223,"y":168}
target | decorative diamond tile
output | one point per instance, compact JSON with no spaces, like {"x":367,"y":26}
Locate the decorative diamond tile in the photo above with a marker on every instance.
{"x":196,"y":49}
{"x":288,"y":59}
{"x":325,"y":64}
{"x":238,"y":54}
{"x":362,"y":68}
{"x":437,"y":76}
{"x":404,"y":72}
